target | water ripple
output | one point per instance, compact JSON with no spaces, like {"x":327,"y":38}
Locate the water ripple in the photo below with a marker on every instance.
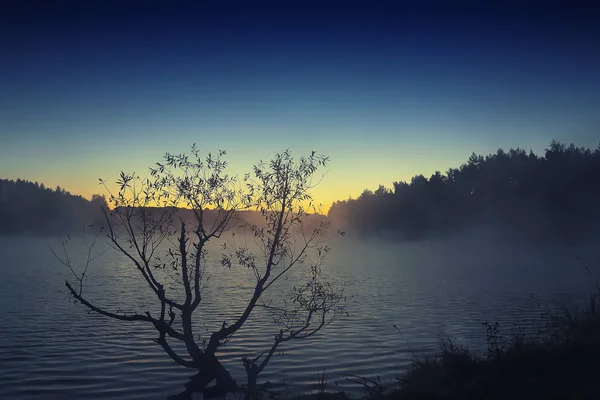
{"x":52,"y":348}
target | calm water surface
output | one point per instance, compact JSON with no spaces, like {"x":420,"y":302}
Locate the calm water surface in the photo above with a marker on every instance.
{"x":52,"y":348}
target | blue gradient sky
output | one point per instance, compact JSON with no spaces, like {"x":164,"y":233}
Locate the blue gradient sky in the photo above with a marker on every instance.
{"x":386,"y":91}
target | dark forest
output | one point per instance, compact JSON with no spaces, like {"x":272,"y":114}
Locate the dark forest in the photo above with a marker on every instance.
{"x":553,"y":196}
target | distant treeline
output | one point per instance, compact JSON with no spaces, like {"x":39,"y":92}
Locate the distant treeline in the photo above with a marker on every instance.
{"x":31,"y":208}
{"x":554,"y":196}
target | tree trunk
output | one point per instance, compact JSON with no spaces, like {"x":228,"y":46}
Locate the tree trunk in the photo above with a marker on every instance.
{"x":209,"y":370}
{"x":252,"y":378}
{"x":222,"y":376}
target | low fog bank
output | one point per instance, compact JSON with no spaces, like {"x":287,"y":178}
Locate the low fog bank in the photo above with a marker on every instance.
{"x":480,"y":251}
{"x":534,"y":224}
{"x":488,"y":239}
{"x":536,"y":230}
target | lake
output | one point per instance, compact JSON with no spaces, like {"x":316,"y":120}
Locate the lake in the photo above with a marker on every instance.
{"x":53,"y":348}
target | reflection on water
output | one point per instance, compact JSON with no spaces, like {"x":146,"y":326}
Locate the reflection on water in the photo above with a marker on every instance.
{"x":52,"y":348}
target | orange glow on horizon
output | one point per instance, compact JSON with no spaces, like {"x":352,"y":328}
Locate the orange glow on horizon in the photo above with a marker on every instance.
{"x":336,"y":185}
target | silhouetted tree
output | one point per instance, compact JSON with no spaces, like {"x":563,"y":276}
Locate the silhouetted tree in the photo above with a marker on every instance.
{"x":280,"y":190}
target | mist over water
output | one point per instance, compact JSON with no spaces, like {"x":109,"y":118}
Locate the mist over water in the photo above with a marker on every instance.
{"x":52,"y":348}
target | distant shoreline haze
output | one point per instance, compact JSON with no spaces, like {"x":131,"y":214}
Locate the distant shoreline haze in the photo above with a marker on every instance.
{"x":549,"y":196}
{"x":31,"y":208}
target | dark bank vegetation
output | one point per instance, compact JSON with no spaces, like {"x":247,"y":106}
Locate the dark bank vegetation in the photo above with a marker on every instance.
{"x":554,"y":196}
{"x":559,"y":358}
{"x":31,"y":208}
{"x":170,"y":255}
{"x":556,"y":357}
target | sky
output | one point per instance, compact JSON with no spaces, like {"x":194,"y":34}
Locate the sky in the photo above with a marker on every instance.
{"x":385,"y":89}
